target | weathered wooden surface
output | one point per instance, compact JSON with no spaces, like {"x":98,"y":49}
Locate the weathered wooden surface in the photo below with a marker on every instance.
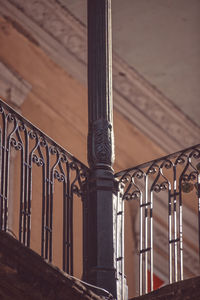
{"x":24,"y":275}
{"x":184,"y":290}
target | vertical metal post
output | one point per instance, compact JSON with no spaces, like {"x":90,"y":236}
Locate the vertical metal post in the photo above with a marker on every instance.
{"x":99,"y":260}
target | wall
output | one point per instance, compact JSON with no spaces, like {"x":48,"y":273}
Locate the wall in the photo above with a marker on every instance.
{"x":55,"y":101}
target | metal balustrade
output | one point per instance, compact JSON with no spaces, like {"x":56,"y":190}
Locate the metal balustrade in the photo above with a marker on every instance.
{"x":41,"y":191}
{"x":40,"y":184}
{"x":164,"y":189}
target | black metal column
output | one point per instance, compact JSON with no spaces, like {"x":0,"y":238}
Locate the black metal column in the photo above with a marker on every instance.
{"x":99,"y":265}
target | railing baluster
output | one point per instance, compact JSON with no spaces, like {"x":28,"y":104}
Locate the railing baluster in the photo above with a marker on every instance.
{"x":37,"y":149}
{"x":119,"y":242}
{"x":29,"y":184}
{"x":29,"y":199}
{"x":43,"y":202}
{"x":65,"y":222}
{"x":71,"y":233}
{"x":16,"y":133}
{"x":175,"y":226}
{"x":183,"y":168}
{"x":146,"y":234}
{"x":1,"y":175}
{"x":21,"y":215}
{"x":47,"y":204}
{"x":198,"y":193}
{"x":3,"y":147}
{"x":151,"y":241}
{"x":51,"y":217}
{"x":181,"y":235}
{"x":25,"y":208}
{"x":1,"y":178}
{"x":141,"y":246}
{"x":6,"y":187}
{"x":181,"y":178}
{"x":52,"y":170}
{"x":117,"y":232}
{"x":71,"y":220}
{"x":68,"y":218}
{"x":170,"y":232}
{"x":122,"y":249}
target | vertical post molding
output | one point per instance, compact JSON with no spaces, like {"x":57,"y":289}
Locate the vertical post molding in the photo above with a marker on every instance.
{"x":100,"y":102}
{"x":99,"y":211}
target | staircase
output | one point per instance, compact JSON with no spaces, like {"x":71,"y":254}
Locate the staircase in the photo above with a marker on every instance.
{"x":183,"y":290}
{"x":25,"y":275}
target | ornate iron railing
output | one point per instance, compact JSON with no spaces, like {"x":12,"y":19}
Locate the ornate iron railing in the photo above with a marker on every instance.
{"x":40,"y":189}
{"x":168,"y":194}
{"x":40,"y":183}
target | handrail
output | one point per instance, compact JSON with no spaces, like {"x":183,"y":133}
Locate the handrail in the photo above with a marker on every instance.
{"x":39,"y":184}
{"x":164,"y":189}
{"x":157,"y":160}
{"x":35,"y":128}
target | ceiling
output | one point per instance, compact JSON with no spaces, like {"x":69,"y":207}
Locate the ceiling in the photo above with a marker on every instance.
{"x":161,"y":40}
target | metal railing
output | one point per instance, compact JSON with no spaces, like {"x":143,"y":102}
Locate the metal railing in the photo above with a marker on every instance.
{"x":40,"y":183}
{"x":167,"y":191}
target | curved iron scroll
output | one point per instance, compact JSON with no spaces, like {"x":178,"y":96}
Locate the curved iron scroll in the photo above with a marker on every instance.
{"x":36,"y":155}
{"x":175,"y":176}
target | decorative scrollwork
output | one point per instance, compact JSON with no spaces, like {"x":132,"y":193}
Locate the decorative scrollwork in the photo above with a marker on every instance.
{"x":190,"y":177}
{"x":37,"y":160}
{"x":100,"y":143}
{"x":32,"y":134}
{"x":181,"y":159}
{"x":160,"y":187}
{"x":139,"y":174}
{"x":134,"y":195}
{"x":160,"y":179}
{"x":83,"y":174}
{"x":21,"y":126}
{"x":102,"y":136}
{"x":76,"y":190}
{"x":195,"y":154}
{"x":131,"y":190}
{"x":167,"y":164}
{"x":59,"y":176}
{"x":42,"y":142}
{"x":10,"y":117}
{"x":153,"y":169}
{"x":53,"y":150}
{"x":125,"y":178}
{"x":15,"y":144}
{"x":63,"y":158}
{"x":73,"y":165}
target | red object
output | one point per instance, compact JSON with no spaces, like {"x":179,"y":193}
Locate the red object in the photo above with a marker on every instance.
{"x":157,"y":282}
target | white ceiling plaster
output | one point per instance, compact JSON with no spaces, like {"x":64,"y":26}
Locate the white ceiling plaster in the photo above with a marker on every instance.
{"x":161,"y":40}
